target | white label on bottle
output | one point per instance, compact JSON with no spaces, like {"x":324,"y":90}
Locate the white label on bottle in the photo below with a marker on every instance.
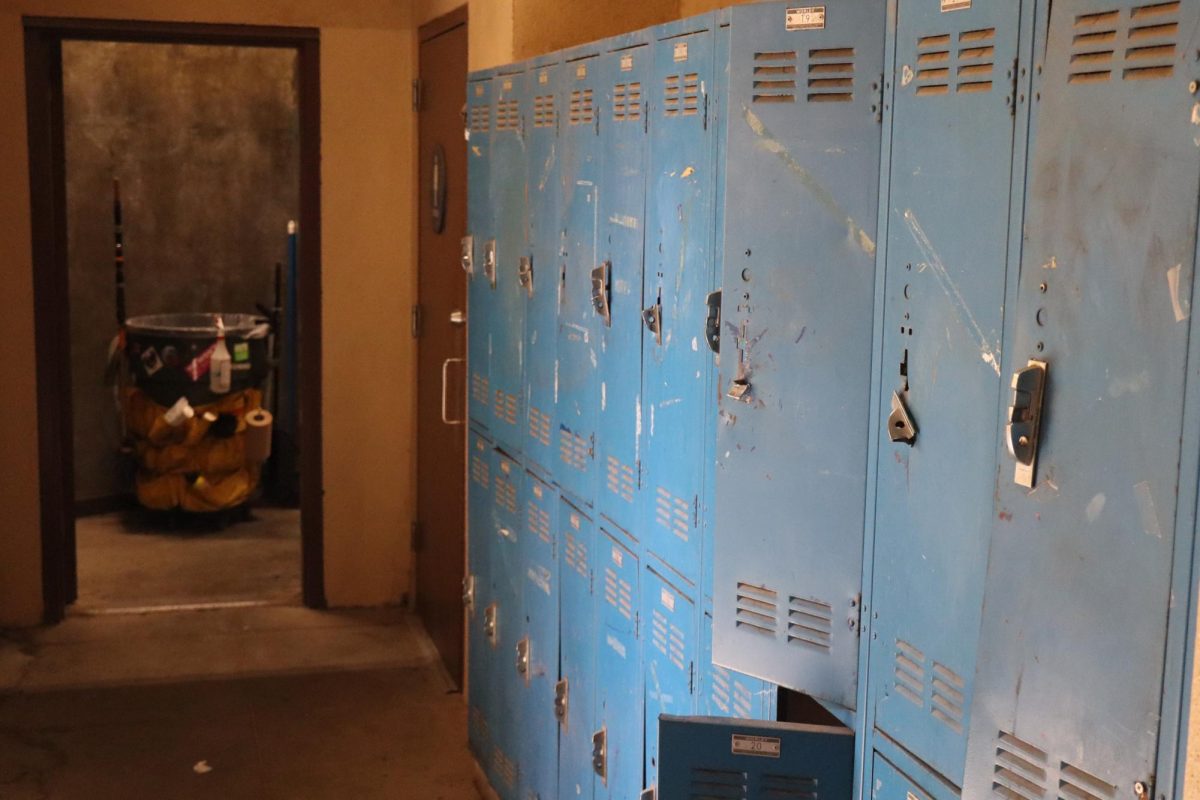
{"x":807,"y":18}
{"x":765,"y":746}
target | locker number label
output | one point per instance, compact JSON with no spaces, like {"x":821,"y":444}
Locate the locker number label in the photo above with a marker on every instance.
{"x":681,"y":51}
{"x":955,"y":5}
{"x":807,"y":18}
{"x":626,"y":63}
{"x":544,"y":77}
{"x":617,"y":559}
{"x":765,"y":746}
{"x":668,"y":600}
{"x":581,"y":72}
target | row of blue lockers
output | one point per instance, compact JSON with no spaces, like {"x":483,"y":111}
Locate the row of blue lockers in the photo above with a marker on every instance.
{"x":864,"y":329}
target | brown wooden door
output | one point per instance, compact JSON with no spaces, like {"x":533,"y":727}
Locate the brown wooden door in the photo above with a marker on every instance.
{"x":441,"y":343}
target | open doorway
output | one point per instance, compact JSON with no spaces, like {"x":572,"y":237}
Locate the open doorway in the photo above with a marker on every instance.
{"x":156,"y":488}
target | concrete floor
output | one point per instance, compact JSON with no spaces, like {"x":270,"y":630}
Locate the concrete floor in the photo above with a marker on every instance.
{"x":265,"y":702}
{"x":133,"y":559}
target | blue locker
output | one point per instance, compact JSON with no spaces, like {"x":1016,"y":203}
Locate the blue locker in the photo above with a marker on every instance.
{"x":727,"y":693}
{"x":540,"y":277}
{"x":798,"y":293}
{"x":575,"y":693}
{"x":537,"y":650}
{"x":478,"y":247}
{"x":510,"y":91}
{"x":1096,"y":498}
{"x":679,"y":265}
{"x":577,"y":378}
{"x":506,"y":622}
{"x":706,"y":757}
{"x":669,"y":656}
{"x":891,"y":783}
{"x":477,"y":597}
{"x":956,"y":169}
{"x":617,"y":278}
{"x":617,"y":745}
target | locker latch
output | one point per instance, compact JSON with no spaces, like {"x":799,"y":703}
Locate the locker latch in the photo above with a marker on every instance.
{"x":600,"y":754}
{"x":562,"y":699}
{"x":489,"y":623}
{"x":901,"y":427}
{"x":525,"y":274}
{"x":1025,"y":420}
{"x":602,"y":292}
{"x":467,"y":257}
{"x":523,"y":659}
{"x":469,"y":594}
{"x":712,"y":323}
{"x":652,"y":316}
{"x":489,"y":261}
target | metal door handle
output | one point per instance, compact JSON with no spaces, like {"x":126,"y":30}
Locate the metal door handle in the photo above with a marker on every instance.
{"x":458,"y":317}
{"x":445,"y":368}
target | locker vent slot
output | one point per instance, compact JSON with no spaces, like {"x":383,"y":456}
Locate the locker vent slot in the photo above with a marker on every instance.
{"x":946,"y":702}
{"x":508,"y":115}
{"x":582,"y":111}
{"x":672,"y":513}
{"x":667,"y":638}
{"x":619,"y":479}
{"x":1020,"y":769}
{"x":504,"y":406}
{"x":1092,"y":47}
{"x":718,"y":784}
{"x":743,"y":701}
{"x":810,"y":623}
{"x":573,"y":449}
{"x":933,"y":64}
{"x":618,"y":593}
{"x":504,"y":767}
{"x":774,"y":77}
{"x":790,"y":786}
{"x":575,"y":554}
{"x":1075,"y":784}
{"x":681,"y":95}
{"x":480,"y":390}
{"x":1152,"y":41}
{"x":481,"y":118}
{"x":976,"y":54}
{"x":539,"y":426}
{"x":831,"y":75}
{"x":479,"y":724}
{"x":479,"y":470}
{"x":910,"y":673}
{"x":719,"y":696}
{"x":506,"y":493}
{"x":539,"y":521}
{"x":757,"y":609}
{"x":627,"y":102}
{"x":544,"y":113}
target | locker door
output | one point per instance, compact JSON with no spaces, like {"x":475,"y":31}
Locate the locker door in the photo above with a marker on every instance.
{"x":617,"y":288}
{"x":541,"y":279}
{"x":676,"y":367}
{"x":511,"y":209}
{"x":479,"y":244}
{"x":578,"y":349}
{"x":617,"y":754}
{"x":669,"y":660}
{"x":727,"y":693}
{"x":537,"y":652}
{"x":477,"y":596}
{"x":1078,"y":589}
{"x":797,"y":309}
{"x":508,"y":615}
{"x":947,"y":257}
{"x":889,"y":783}
{"x":575,"y":693}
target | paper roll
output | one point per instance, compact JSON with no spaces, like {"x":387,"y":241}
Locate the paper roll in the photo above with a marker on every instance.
{"x":258,"y":435}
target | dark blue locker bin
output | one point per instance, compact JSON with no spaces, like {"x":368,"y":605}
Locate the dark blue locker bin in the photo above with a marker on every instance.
{"x":478,"y":247}
{"x":577,"y":380}
{"x":947,"y":258}
{"x":537,"y":650}
{"x":541,"y":280}
{"x":669,"y":657}
{"x":706,"y":757}
{"x":477,"y":596}
{"x":507,"y":623}
{"x":801,"y":203}
{"x":510,"y":207}
{"x":617,"y":278}
{"x":575,"y":693}
{"x":725,"y":692}
{"x":617,"y":745}
{"x":679,"y":275}
{"x":1095,"y":503}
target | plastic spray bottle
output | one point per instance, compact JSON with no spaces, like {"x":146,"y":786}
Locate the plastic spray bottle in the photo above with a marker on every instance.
{"x":220,"y":370}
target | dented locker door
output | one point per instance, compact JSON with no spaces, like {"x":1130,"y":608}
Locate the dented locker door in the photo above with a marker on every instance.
{"x":617,"y":287}
{"x":798,"y":291}
{"x":537,"y":653}
{"x":676,"y":366}
{"x":540,"y":277}
{"x":890,"y":783}
{"x":1079,"y":582}
{"x":507,"y":621}
{"x":479,"y":245}
{"x":725,"y":692}
{"x":578,"y":386}
{"x":509,"y":139}
{"x":669,"y":656}
{"x":477,"y":597}
{"x":575,"y":693}
{"x":617,"y":757}
{"x":947,"y":258}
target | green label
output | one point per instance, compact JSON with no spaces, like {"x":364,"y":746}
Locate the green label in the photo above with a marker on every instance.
{"x":241,"y":351}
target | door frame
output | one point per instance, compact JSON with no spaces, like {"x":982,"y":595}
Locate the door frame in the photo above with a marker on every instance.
{"x":43,"y":38}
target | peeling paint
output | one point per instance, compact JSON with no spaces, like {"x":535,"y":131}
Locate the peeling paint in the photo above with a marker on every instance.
{"x":475,"y":149}
{"x":674,"y":401}
{"x":1094,"y":507}
{"x":1133,"y":385}
{"x":547,"y":167}
{"x":624,"y":220}
{"x":906,"y":75}
{"x":689,"y":172}
{"x":1051,"y":264}
{"x":1178,"y":303}
{"x":603,"y":395}
{"x":1145,"y":500}
{"x":695,"y":345}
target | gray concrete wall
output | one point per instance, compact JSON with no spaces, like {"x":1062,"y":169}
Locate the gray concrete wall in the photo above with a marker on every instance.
{"x":205,"y":143}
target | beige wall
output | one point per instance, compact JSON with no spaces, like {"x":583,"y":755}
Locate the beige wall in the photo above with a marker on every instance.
{"x":540,"y":26}
{"x":489,"y":31}
{"x":367,"y":62}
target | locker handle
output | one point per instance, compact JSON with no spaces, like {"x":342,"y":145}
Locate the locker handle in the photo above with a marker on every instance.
{"x":600,"y":754}
{"x":489,"y":261}
{"x":523,"y":658}
{"x":525,"y":274}
{"x":652,"y":316}
{"x":901,"y":427}
{"x":1023,"y":430}
{"x":712,"y":323}
{"x":467,"y":256}
{"x":445,"y":368}
{"x":601,"y":292}
{"x":562,"y":699}
{"x":469,"y":594}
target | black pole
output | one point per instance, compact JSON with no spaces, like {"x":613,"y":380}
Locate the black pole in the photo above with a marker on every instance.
{"x":119,"y":256}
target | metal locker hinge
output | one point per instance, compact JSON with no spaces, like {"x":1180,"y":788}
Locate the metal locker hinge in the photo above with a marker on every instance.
{"x":562,"y":700}
{"x":468,"y":596}
{"x":467,"y":254}
{"x":600,"y":754}
{"x":525,"y":274}
{"x":489,"y":261}
{"x":854,"y":621}
{"x":1025,"y":420}
{"x":523,"y":659}
{"x":601,"y":292}
{"x":489,"y":623}
{"x":652,"y":316}
{"x":901,"y":427}
{"x":877,"y":98}
{"x":712,"y":323}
